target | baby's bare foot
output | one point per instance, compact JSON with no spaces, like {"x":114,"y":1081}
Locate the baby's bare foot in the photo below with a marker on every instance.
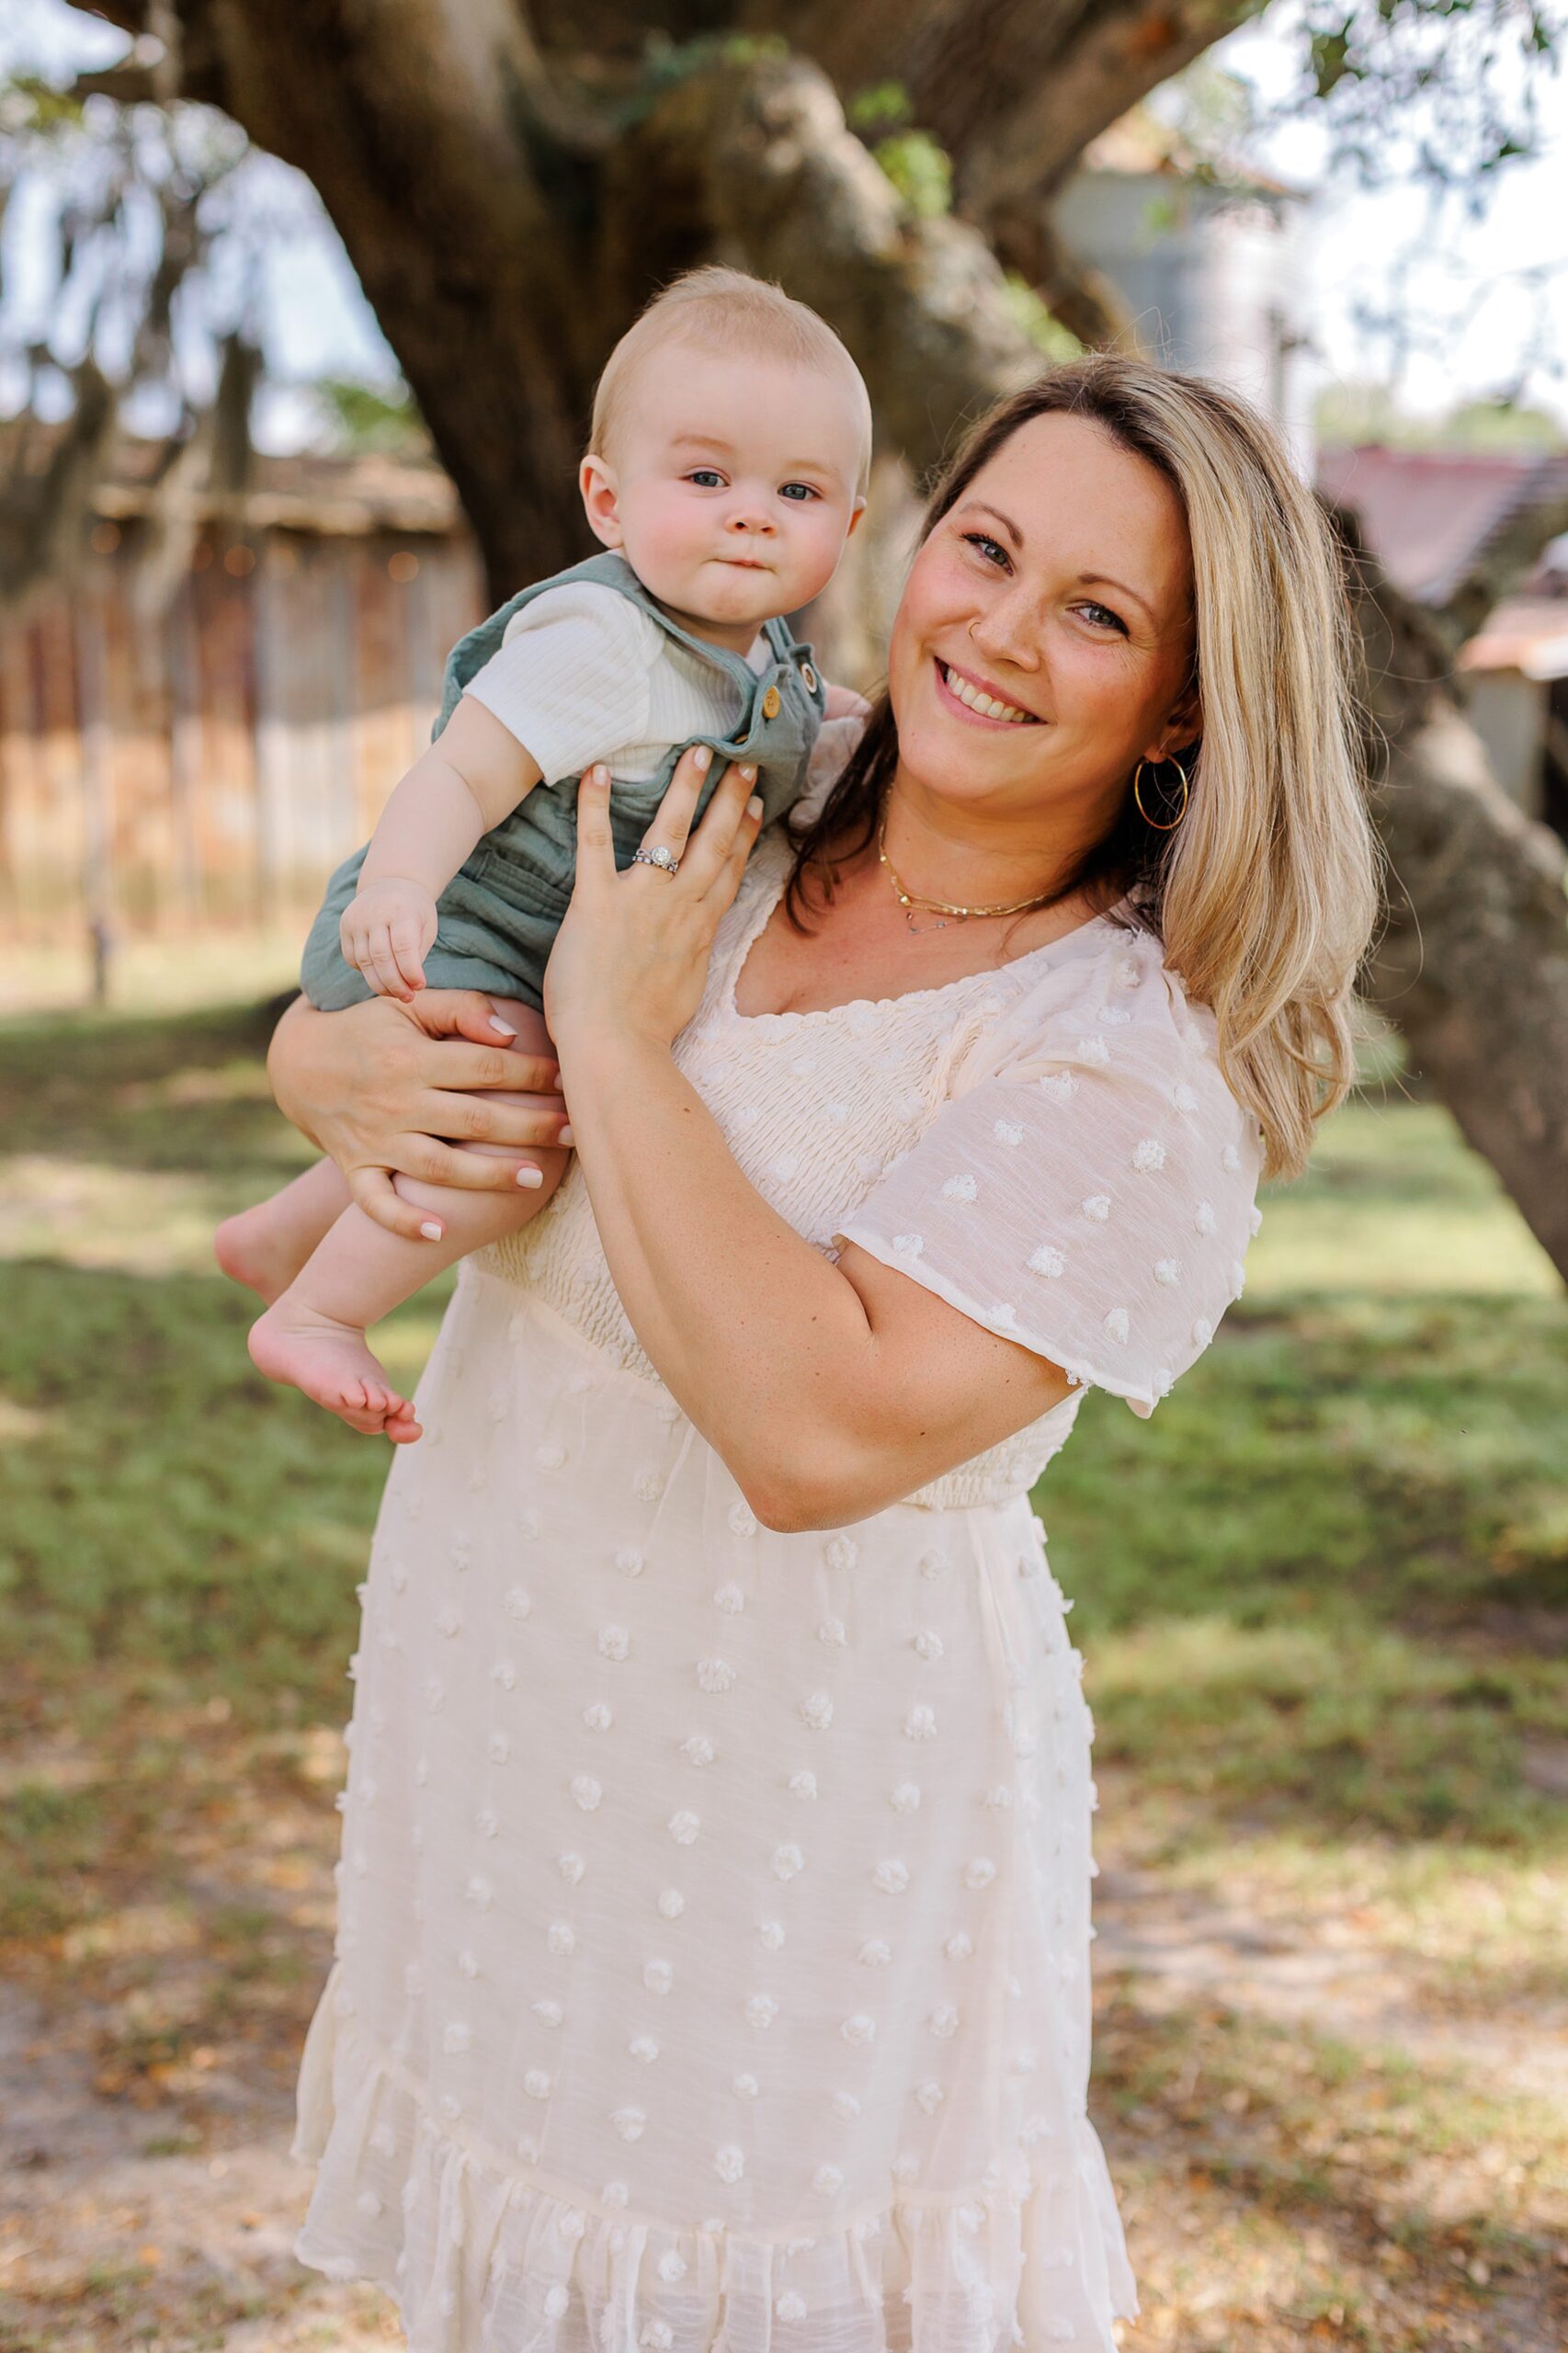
{"x":330,"y":1362}
{"x":258,"y":1248}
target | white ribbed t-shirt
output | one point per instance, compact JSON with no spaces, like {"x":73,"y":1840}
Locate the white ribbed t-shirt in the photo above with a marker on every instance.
{"x":583,"y":674}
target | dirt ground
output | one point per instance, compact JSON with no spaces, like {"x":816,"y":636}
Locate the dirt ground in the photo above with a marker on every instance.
{"x":147,"y":2067}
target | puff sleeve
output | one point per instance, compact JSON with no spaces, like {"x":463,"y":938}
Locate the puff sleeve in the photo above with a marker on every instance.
{"x":1088,"y":1187}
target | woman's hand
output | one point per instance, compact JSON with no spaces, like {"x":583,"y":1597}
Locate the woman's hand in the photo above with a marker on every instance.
{"x":379,"y":1085}
{"x":632,"y":956}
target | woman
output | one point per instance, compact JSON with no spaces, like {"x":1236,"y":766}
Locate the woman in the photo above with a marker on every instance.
{"x":712,"y":1960}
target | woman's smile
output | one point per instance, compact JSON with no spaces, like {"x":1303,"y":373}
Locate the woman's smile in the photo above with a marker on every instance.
{"x":978,"y":700}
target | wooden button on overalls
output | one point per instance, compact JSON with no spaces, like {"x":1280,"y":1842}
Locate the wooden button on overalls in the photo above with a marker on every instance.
{"x":770,"y":703}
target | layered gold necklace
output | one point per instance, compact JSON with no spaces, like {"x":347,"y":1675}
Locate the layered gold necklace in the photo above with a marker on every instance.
{"x":911,"y":899}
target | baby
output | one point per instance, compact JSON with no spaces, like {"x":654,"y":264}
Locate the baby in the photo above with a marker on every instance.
{"x":729,"y":451}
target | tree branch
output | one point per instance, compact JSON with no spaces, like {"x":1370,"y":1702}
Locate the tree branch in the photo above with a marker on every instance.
{"x":44,"y":513}
{"x":1021,"y":117}
{"x":1013,"y":89}
{"x":1472,"y":963}
{"x":128,"y":84}
{"x":1509,"y":552}
{"x":463,"y":219}
{"x":755,"y":159}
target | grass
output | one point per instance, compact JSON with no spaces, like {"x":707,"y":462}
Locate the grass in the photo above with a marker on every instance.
{"x":1323,"y":1594}
{"x":1326,"y":1584}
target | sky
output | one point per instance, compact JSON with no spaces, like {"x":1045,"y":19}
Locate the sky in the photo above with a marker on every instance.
{"x":1463,"y":284}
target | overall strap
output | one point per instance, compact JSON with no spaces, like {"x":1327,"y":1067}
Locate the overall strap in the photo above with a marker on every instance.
{"x":608,"y":569}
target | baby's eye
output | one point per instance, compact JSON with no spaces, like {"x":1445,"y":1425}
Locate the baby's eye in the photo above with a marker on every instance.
{"x":1105,"y":614}
{"x":705,"y":478}
{"x":992,"y":549}
{"x":799,"y":490}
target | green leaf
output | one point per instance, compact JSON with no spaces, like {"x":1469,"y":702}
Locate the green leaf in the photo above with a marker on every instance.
{"x":920,"y":170}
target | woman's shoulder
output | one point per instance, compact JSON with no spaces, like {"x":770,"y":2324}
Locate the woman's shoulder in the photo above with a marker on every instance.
{"x":1107,"y":1004}
{"x":1110,"y":977}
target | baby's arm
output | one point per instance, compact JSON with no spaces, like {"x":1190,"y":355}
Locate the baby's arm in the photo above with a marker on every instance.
{"x":472,"y":775}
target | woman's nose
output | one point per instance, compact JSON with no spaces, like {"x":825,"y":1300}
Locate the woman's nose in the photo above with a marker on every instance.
{"x":1008,"y":630}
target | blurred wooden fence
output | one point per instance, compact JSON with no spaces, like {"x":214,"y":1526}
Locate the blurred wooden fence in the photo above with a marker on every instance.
{"x":209,"y":764}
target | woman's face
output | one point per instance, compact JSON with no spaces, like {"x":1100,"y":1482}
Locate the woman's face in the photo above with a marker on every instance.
{"x":1059,"y":588}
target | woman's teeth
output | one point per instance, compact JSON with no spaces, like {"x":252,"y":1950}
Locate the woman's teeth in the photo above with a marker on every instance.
{"x":987,"y":705}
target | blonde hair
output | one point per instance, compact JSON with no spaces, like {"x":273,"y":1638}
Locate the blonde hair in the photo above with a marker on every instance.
{"x":1265,"y":895}
{"x":721,"y":310}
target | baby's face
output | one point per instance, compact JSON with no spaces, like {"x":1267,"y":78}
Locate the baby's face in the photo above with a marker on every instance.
{"x":732,"y":485}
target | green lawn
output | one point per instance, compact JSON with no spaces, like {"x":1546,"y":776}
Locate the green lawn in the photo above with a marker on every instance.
{"x":1323,"y":1592}
{"x":1312,"y":1580}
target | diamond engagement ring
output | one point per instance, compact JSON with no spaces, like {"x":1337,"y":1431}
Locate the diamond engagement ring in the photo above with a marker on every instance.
{"x":664,"y":859}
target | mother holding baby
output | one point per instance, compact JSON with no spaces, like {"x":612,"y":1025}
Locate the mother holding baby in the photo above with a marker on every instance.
{"x":712,"y":1960}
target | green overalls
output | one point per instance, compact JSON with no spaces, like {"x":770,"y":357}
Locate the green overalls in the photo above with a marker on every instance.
{"x":500,"y":912}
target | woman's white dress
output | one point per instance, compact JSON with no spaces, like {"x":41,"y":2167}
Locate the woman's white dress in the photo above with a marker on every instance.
{"x":712,"y":1969}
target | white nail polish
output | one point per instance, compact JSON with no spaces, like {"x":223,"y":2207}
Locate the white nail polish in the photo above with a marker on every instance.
{"x":431,"y":1232}
{"x":531,"y":1178}
{"x":505,"y":1026}
{"x":566,"y":1137}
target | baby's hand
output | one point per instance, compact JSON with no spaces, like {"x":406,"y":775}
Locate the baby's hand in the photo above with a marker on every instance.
{"x":843,"y":702}
{"x":388,"y":928}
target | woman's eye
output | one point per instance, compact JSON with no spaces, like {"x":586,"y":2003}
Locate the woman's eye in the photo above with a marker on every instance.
{"x":705,"y":478}
{"x":992,"y":549}
{"x":799,"y":490}
{"x":1104,"y":615}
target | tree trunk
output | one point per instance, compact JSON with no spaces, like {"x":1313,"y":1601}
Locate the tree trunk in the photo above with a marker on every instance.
{"x":482,"y":165}
{"x":1472,"y":964}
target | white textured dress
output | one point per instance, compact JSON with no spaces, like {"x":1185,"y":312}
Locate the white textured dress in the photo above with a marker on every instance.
{"x":711,"y":1974}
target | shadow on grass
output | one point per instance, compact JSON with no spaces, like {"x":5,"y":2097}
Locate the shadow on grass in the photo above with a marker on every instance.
{"x":1327,"y":1582}
{"x":1276,"y":2176}
{"x":161,"y":1091}
{"x":164,"y":1504}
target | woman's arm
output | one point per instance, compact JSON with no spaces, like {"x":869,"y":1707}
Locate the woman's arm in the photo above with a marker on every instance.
{"x":829,"y":1389}
{"x":379,"y":1085}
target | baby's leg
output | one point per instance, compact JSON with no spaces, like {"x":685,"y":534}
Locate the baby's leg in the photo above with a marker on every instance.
{"x":314,"y":1335}
{"x":266,"y":1246}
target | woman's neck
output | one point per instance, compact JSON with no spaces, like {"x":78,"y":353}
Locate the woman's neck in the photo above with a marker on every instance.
{"x":974,"y":856}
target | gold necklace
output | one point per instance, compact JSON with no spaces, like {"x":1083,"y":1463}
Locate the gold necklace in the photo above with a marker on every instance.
{"x":909,"y":900}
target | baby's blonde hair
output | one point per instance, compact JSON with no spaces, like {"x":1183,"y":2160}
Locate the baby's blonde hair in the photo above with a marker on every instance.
{"x":721,"y":310}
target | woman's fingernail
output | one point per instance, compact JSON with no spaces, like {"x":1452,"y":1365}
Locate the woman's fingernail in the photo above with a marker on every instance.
{"x":430,"y":1230}
{"x":601,"y":776}
{"x":703,"y":758}
{"x":505,"y":1026}
{"x":533,"y":1178}
{"x":748,"y":773}
{"x":566,"y":1137}
{"x":754,"y":806}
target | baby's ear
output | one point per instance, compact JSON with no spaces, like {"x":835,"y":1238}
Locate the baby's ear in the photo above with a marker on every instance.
{"x":601,"y":496}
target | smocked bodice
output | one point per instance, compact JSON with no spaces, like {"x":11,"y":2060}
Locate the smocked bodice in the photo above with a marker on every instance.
{"x":816,"y":1107}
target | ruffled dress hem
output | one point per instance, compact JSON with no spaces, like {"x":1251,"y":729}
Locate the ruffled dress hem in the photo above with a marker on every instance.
{"x":485,"y":2254}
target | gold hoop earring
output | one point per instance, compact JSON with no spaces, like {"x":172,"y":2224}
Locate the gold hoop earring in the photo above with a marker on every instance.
{"x":1154,"y":822}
